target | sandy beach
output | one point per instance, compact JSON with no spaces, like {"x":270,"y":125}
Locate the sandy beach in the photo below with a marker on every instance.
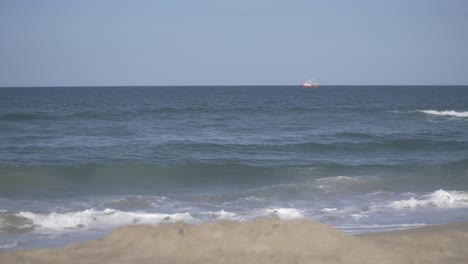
{"x":260,"y":241}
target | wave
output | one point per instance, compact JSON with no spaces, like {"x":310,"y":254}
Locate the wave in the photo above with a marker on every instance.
{"x":350,"y":212}
{"x":222,"y":215}
{"x":347,"y":147}
{"x":9,"y":246}
{"x":104,"y":178}
{"x":90,"y":219}
{"x":86,"y":219}
{"x":362,"y":229}
{"x":283,"y":213}
{"x":131,"y":113}
{"x":462,"y":165}
{"x":444,"y":113}
{"x":437,"y":199}
{"x":32,"y":181}
{"x":337,"y":184}
{"x":132,"y":202}
{"x":341,"y":180}
{"x":21,"y":116}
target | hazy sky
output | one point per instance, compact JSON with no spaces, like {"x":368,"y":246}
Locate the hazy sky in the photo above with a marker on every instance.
{"x":184,"y":42}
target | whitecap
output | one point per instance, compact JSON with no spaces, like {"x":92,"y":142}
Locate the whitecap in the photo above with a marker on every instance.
{"x":445,"y":113}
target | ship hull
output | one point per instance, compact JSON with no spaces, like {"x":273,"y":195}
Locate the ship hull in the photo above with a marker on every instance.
{"x":309,"y":86}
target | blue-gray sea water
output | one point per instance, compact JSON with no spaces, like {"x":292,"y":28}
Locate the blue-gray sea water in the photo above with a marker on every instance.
{"x":77,"y":162}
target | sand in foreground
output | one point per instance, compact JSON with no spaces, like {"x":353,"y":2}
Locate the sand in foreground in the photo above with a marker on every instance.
{"x":261,"y":241}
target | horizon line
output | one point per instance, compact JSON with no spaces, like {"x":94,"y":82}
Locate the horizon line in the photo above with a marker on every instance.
{"x":239,"y":85}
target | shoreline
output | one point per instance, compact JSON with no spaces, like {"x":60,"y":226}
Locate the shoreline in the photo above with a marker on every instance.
{"x":259,"y":241}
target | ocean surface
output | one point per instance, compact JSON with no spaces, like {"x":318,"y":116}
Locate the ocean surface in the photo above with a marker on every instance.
{"x":76,"y":162}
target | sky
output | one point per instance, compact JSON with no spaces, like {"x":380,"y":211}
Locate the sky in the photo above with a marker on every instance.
{"x":241,"y":42}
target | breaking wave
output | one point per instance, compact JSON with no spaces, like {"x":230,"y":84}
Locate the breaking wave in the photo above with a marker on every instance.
{"x":437,"y":199}
{"x":91,"y":219}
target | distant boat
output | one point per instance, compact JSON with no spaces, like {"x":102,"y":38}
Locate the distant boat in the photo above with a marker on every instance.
{"x":310,"y":84}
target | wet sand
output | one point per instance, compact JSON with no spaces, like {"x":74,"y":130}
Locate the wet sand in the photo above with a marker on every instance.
{"x":261,"y":241}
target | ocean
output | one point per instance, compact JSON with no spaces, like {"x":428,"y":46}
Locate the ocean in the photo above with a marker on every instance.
{"x":77,"y":162}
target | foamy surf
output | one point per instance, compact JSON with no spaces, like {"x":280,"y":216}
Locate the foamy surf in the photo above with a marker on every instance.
{"x":437,"y":199}
{"x":444,"y":113}
{"x":91,"y":219}
{"x":86,"y":219}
